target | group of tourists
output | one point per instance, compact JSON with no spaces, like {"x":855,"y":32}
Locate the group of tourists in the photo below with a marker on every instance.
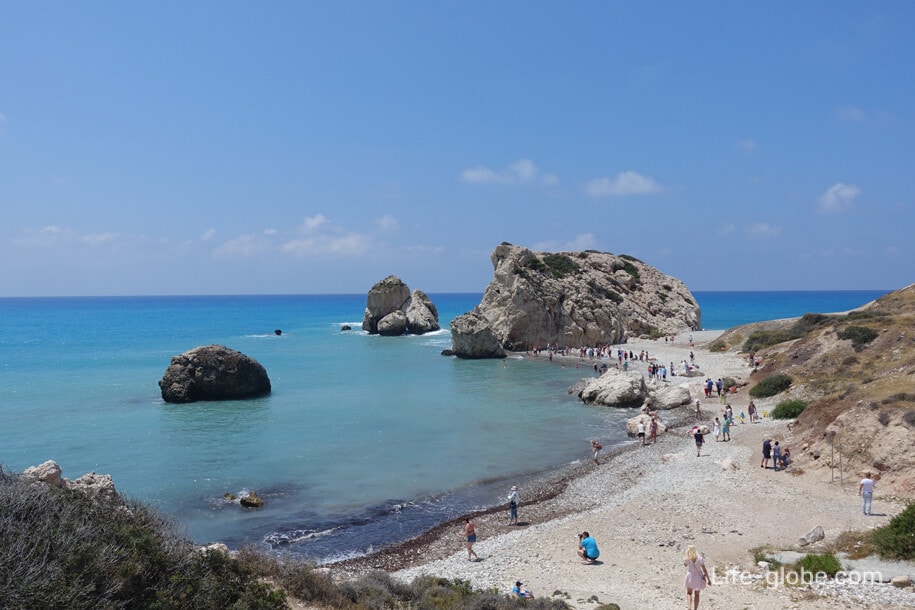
{"x":781,"y":457}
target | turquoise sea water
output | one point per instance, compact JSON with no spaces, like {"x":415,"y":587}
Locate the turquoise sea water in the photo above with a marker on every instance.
{"x":364,"y":441}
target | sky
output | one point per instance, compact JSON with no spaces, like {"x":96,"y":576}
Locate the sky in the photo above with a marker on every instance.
{"x":153,"y":148}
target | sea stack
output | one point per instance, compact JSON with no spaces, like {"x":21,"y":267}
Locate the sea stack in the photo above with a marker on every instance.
{"x":392,"y":310}
{"x":213,"y":372}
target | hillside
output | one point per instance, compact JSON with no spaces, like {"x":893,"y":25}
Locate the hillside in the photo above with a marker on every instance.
{"x":857,"y":370}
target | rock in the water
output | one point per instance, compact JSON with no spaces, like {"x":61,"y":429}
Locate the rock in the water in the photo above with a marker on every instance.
{"x":346,"y":327}
{"x":814,"y":535}
{"x":576,"y":299}
{"x":616,"y":388}
{"x":251,"y":501}
{"x":393,"y":325}
{"x":390,"y":297}
{"x":472,"y":337}
{"x":278,"y":332}
{"x":422,"y":315}
{"x":213,"y":372}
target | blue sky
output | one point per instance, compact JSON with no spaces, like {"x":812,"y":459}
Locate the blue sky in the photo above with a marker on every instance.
{"x":301,"y":147}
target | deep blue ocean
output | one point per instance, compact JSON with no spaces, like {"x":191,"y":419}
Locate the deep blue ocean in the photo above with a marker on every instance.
{"x":364,"y":441}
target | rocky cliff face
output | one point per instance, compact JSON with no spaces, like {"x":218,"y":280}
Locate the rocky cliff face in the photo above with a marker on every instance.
{"x":575,"y":299}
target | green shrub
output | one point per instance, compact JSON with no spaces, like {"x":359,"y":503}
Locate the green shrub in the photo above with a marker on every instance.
{"x":761,"y":339}
{"x":728,"y":382}
{"x":859,"y":335}
{"x":717,"y":346}
{"x":561,"y":265}
{"x":826,"y":563}
{"x":896,"y":540}
{"x":789,"y":409}
{"x":770,"y":386}
{"x":631,"y":269}
{"x":865,"y":315}
{"x":909,"y":417}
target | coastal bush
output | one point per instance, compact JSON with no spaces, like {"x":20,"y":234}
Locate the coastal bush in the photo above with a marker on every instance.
{"x":631,"y":269}
{"x":728,"y":382}
{"x":535,"y":264}
{"x":770,"y":386}
{"x":909,"y":417}
{"x":899,"y":397}
{"x":760,"y":339}
{"x":717,"y":346}
{"x":865,"y":315}
{"x":896,"y":540}
{"x":561,"y":265}
{"x":859,"y":335}
{"x":814,"y":563}
{"x":789,"y":409}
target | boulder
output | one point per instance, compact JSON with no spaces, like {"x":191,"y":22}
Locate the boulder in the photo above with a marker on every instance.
{"x":392,"y":325}
{"x":668,"y":397}
{"x":616,"y":388}
{"x":251,"y":501}
{"x":814,"y":535}
{"x":48,"y":472}
{"x":391,"y":297}
{"x":632,"y":425}
{"x":901,"y":581}
{"x":422,"y":315}
{"x":216,"y":547}
{"x":94,"y":485}
{"x":213,"y":372}
{"x":384,"y":298}
{"x":472,"y":337}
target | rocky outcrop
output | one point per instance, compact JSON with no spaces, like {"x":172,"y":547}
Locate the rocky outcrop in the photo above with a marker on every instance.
{"x":668,"y":397}
{"x":252,"y":500}
{"x":392,"y":310}
{"x":575,"y":299}
{"x":91,"y":484}
{"x":632,"y":425}
{"x":213,"y":372}
{"x":472,"y":337}
{"x":616,"y":388}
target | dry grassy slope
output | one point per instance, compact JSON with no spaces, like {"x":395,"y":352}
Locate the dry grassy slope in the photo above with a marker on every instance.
{"x":865,"y":397}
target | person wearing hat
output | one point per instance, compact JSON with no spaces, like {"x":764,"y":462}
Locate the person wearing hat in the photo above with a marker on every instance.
{"x":513,"y":505}
{"x":517,"y":591}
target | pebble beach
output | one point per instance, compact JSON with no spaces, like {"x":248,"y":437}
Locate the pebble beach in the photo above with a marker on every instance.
{"x":645,"y":504}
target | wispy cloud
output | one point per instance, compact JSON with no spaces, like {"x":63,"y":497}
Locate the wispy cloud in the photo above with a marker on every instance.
{"x":208,"y":234}
{"x":585,"y":241}
{"x":851,"y":113}
{"x":746,"y":146}
{"x":763,"y":230}
{"x":523,"y":171}
{"x":839,"y":197}
{"x":625,"y":183}
{"x":2,"y":123}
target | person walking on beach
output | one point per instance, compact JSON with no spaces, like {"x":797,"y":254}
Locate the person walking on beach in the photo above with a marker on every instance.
{"x":767,"y":453}
{"x":640,"y":427}
{"x":751,"y":410}
{"x":726,"y":429}
{"x":595,"y":449}
{"x":776,"y":456}
{"x":653,"y":430}
{"x":700,"y":440}
{"x":866,"y":491}
{"x":716,"y":429}
{"x":513,"y":505}
{"x":696,"y":576}
{"x":470,"y":531}
{"x":587,"y":548}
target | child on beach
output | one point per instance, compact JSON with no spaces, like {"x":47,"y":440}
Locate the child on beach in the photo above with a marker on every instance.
{"x":716,"y":430}
{"x":595,"y":449}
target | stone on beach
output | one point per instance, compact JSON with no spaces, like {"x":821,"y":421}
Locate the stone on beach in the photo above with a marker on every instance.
{"x":616,"y":388}
{"x":632,"y":425}
{"x":668,"y":397}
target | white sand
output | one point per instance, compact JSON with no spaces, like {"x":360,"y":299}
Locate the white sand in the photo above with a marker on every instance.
{"x":646,"y":505}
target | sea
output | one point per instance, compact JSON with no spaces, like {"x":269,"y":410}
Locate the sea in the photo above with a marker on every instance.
{"x":364,"y":441}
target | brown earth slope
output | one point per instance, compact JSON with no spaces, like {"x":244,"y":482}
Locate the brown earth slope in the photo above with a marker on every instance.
{"x":857,"y":372}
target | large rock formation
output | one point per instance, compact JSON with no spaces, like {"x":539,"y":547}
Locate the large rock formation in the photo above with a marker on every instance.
{"x":392,"y":310}
{"x":575,"y":299}
{"x":213,"y":372}
{"x":472,"y":337}
{"x":616,"y":388}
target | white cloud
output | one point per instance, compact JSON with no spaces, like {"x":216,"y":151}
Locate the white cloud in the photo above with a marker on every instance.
{"x":387,"y":223}
{"x":625,"y":183}
{"x":523,"y":171}
{"x":763,"y":230}
{"x":839,"y":197}
{"x":351,"y":244}
{"x":851,"y":113}
{"x":313,"y":222}
{"x":748,"y":145}
{"x":241,"y":246}
{"x":726,"y":229}
{"x":208,"y":234}
{"x":97,"y":239}
{"x":585,"y":241}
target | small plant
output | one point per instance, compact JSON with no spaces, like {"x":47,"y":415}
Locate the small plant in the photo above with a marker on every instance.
{"x":761,"y":339}
{"x":859,"y":335}
{"x":814,"y":563}
{"x":770,"y":386}
{"x":909,"y":417}
{"x":561,"y":265}
{"x":850,"y":361}
{"x":717,"y":346}
{"x":899,"y":397}
{"x":789,"y":409}
{"x":884,"y":418}
{"x":896,"y":540}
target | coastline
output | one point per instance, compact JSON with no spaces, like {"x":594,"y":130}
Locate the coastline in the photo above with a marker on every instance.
{"x":644,"y":505}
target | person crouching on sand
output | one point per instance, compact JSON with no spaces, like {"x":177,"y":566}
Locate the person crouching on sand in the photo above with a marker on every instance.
{"x":587,"y":548}
{"x":696,"y":576}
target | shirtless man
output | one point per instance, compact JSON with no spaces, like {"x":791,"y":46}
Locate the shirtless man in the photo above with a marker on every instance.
{"x":470,"y":530}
